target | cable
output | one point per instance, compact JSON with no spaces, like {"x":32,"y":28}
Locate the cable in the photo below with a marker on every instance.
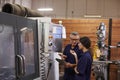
{"x":49,"y":68}
{"x":42,"y":56}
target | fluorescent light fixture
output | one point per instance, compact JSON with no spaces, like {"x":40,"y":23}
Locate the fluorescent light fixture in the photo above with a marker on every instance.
{"x":25,"y":28}
{"x":45,"y":9}
{"x":93,"y":16}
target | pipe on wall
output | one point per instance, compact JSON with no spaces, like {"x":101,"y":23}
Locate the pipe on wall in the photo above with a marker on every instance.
{"x":20,"y":10}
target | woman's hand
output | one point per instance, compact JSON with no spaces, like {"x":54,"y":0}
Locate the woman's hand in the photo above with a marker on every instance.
{"x":73,"y":52}
{"x":75,"y":55}
{"x":75,"y":69}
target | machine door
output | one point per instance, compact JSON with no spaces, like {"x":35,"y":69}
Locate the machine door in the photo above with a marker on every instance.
{"x":7,"y":53}
{"x":19,"y":59}
{"x":28,"y":50}
{"x":7,"y":47}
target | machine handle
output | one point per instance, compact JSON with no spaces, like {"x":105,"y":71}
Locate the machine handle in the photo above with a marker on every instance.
{"x":19,"y":62}
{"x":24,"y":69}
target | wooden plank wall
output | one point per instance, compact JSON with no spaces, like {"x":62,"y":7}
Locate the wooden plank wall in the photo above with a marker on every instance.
{"x":115,"y":52}
{"x":115,"y":39}
{"x":85,"y":27}
{"x":88,"y":27}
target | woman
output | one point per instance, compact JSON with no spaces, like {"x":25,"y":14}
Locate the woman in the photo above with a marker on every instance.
{"x":83,"y":68}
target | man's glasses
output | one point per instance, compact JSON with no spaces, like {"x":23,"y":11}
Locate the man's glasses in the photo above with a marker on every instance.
{"x":74,"y":39}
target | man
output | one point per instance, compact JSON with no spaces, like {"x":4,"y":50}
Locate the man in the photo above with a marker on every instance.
{"x":70,"y":62}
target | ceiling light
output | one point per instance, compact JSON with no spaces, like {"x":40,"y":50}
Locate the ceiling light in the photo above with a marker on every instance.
{"x":25,"y":28}
{"x":45,"y":9}
{"x":93,"y":16}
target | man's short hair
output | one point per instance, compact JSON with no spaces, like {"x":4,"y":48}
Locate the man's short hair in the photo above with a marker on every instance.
{"x":74,"y":33}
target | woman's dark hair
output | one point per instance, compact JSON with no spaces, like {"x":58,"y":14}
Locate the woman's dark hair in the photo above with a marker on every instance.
{"x":85,"y":41}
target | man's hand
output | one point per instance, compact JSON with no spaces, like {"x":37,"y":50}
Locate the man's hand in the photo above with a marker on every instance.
{"x":63,"y":57}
